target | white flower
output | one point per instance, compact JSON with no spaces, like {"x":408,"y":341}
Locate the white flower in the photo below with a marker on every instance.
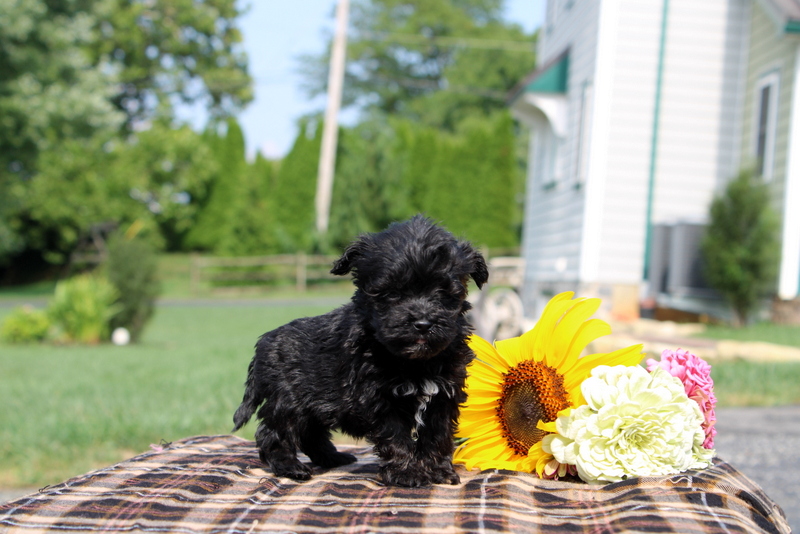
{"x":634,"y":424}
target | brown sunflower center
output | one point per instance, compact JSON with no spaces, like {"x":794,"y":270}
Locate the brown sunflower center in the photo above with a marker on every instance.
{"x":532,"y":391}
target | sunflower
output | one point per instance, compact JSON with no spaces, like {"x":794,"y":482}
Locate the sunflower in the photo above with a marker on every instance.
{"x":517,"y":387}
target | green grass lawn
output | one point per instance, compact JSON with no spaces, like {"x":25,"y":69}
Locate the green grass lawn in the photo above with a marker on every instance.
{"x":769,"y":332}
{"x":745,"y":383}
{"x":68,"y":409}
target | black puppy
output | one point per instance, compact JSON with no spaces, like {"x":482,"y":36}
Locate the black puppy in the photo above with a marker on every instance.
{"x":388,"y":366}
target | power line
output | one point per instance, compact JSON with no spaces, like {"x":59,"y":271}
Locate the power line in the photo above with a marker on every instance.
{"x":465,"y":42}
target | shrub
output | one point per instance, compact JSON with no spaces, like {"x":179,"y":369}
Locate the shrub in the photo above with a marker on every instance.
{"x":741,"y":248}
{"x":131,"y":269}
{"x":82,"y":308}
{"x":25,"y":325}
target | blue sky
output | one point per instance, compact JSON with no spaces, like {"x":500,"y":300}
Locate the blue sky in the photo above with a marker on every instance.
{"x":275,"y":33}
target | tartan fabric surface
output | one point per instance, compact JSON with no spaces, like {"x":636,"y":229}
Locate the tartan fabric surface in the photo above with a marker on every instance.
{"x":218,"y":484}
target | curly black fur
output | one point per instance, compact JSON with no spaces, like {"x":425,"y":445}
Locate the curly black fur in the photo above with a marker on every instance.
{"x":389,"y":366}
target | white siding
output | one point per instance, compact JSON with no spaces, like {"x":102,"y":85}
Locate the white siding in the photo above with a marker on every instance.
{"x":594,"y":232}
{"x":554,"y":216}
{"x":624,"y":198}
{"x":699,"y":130}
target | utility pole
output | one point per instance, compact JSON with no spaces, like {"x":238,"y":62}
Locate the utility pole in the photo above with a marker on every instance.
{"x":330,"y":132}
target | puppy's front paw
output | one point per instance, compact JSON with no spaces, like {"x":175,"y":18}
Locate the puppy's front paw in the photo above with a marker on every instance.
{"x":294,"y":470}
{"x":445,"y":475}
{"x":410,"y":477}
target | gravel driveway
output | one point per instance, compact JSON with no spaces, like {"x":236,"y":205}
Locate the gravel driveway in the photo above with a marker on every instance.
{"x":764,"y":444}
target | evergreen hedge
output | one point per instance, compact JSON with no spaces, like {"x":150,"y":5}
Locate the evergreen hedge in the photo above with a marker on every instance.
{"x":386,"y":170}
{"x":295,"y":190}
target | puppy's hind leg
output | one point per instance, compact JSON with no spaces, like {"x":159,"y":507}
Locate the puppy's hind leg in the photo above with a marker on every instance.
{"x":280,"y":454}
{"x":316,"y":443}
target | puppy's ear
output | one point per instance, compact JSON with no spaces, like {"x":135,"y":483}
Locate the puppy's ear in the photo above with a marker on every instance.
{"x":479,"y":271}
{"x":345,"y":264}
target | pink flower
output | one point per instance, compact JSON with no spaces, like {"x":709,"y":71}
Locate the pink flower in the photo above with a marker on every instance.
{"x":695,"y":373}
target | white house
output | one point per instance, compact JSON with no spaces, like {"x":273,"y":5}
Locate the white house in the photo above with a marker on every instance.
{"x":641,"y":111}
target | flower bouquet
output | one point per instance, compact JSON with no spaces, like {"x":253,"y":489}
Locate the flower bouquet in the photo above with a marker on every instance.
{"x":535,"y":404}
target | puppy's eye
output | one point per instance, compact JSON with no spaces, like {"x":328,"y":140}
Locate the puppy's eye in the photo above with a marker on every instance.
{"x":391,"y":295}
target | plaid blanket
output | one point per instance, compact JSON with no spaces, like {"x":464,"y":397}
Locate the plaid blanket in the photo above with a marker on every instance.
{"x":218,"y":484}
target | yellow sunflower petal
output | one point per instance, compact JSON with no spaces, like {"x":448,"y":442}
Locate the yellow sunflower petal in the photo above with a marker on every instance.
{"x":504,"y":459}
{"x":541,"y":458}
{"x":567,"y":330}
{"x":547,"y":427}
{"x":489,"y":446}
{"x":476,"y":429}
{"x":628,"y":356}
{"x":485,"y":352}
{"x":587,"y":332}
{"x":470,"y":414}
{"x":481,"y":399}
{"x":513,"y":351}
{"x":516,"y":464}
{"x":479,"y":366}
{"x":541,"y":337}
{"x":478,"y":382}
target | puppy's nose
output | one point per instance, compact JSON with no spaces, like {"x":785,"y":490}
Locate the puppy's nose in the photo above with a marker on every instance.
{"x":422,"y":325}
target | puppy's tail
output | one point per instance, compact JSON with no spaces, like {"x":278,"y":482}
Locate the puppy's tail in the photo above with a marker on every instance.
{"x":250,"y":402}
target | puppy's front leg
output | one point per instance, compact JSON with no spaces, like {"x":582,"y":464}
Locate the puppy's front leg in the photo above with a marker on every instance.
{"x":400,"y":466}
{"x":434,"y":447}
{"x":418,"y":455}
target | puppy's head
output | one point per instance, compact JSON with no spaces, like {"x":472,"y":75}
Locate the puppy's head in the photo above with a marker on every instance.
{"x":411,"y":282}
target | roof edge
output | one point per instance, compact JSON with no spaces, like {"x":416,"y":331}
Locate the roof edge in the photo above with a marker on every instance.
{"x":531,"y":78}
{"x":784,"y":13}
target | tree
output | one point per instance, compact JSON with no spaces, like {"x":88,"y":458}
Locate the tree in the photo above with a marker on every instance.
{"x":75,"y":77}
{"x":295,"y":190}
{"x":432,"y":61}
{"x":225,"y":199}
{"x":369,"y":192}
{"x":167,"y":174}
{"x":49,"y":88}
{"x":171,"y":51}
{"x":50,"y":92}
{"x":741,"y":247}
{"x":431,"y":78}
{"x":467,"y":180}
{"x":254,"y":226}
{"x":160,"y":177}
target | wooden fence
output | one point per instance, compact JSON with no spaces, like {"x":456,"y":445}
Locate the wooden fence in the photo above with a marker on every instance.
{"x":209,"y":273}
{"x":220,"y":273}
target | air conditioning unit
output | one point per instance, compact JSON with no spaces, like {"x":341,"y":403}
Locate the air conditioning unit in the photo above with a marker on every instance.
{"x":676,"y":264}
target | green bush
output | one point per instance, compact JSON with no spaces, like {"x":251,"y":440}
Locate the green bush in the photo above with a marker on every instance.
{"x":131,"y":269}
{"x":740,"y":248}
{"x":82,"y":308}
{"x":25,"y":325}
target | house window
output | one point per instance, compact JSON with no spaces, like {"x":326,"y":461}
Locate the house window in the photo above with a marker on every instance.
{"x":766,"y":104}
